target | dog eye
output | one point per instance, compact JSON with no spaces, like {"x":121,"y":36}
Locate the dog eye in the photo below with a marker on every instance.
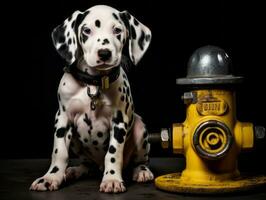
{"x":117,"y":30}
{"x":87,"y":31}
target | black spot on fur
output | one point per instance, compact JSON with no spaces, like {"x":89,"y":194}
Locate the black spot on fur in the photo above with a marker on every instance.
{"x":63,"y":108}
{"x":106,"y":172}
{"x":56,"y":150}
{"x":119,"y":134}
{"x":73,"y":24}
{"x":61,"y":132}
{"x":64,"y":83}
{"x":40,"y":181}
{"x":59,"y":98}
{"x":125,"y":83}
{"x":69,"y":19}
{"x":85,"y":140}
{"x":83,"y":38}
{"x":69,"y":41}
{"x":69,"y":137}
{"x":56,"y":120}
{"x":128,"y":15}
{"x":118,"y":37}
{"x":148,"y":37}
{"x":124,"y":19}
{"x":124,"y":41}
{"x":112,"y":149}
{"x":141,"y":40}
{"x":112,"y":160}
{"x":119,"y":89}
{"x":95,"y":142}
{"x":126,"y":109}
{"x":105,"y":41}
{"x":136,"y":22}
{"x":98,"y":23}
{"x":86,"y":13}
{"x":98,"y":40}
{"x":133,"y":32}
{"x":54,"y":170}
{"x":115,"y":16}
{"x":79,"y":19}
{"x":68,"y":33}
{"x":143,"y":168}
{"x":122,"y":98}
{"x":119,"y":117}
{"x":87,"y":120}
{"x":124,"y":90}
{"x":100,"y":134}
{"x":144,"y":144}
{"x":112,"y":171}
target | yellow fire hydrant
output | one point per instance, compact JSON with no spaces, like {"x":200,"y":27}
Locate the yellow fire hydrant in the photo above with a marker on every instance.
{"x":211,"y":137}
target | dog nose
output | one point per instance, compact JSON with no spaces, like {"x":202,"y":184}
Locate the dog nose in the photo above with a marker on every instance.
{"x":104,"y":54}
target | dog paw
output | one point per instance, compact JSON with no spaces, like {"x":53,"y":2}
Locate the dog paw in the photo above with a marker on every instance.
{"x":46,"y":183}
{"x":142,"y":174}
{"x":112,"y":186}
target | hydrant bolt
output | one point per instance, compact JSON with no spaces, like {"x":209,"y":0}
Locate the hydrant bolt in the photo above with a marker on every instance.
{"x":165,"y":138}
{"x":189,"y":97}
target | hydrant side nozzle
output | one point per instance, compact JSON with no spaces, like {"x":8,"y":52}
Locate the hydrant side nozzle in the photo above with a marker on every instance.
{"x":178,"y":139}
{"x":244,"y":135}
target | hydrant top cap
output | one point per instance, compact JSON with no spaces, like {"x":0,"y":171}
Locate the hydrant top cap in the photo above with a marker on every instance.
{"x":209,"y":65}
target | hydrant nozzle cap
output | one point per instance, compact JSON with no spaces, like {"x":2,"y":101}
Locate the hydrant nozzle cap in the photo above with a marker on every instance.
{"x":209,"y":65}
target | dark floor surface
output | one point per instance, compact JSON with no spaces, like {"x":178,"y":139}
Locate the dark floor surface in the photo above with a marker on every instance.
{"x":17,"y":175}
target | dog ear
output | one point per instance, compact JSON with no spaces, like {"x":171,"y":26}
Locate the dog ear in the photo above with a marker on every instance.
{"x":65,"y":37}
{"x":139,"y":36}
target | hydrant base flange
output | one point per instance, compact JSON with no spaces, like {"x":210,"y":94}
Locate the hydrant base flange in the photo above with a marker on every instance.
{"x":174,"y":183}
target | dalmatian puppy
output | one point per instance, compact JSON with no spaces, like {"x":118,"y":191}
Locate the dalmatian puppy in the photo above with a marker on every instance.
{"x":96,"y":117}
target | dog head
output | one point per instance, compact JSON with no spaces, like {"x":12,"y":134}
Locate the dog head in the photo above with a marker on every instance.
{"x":98,"y":36}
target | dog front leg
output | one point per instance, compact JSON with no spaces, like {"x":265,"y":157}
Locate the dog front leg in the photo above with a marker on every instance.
{"x":55,"y":175}
{"x":112,"y":181}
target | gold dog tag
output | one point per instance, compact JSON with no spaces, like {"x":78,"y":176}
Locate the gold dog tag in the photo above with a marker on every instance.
{"x":105,"y":82}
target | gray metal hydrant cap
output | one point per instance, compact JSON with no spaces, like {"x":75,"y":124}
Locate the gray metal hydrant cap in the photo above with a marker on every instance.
{"x":209,"y":65}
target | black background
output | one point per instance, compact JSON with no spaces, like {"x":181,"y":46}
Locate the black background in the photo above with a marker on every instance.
{"x":31,"y":68}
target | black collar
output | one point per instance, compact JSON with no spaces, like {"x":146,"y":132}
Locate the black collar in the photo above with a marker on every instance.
{"x":98,"y":80}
